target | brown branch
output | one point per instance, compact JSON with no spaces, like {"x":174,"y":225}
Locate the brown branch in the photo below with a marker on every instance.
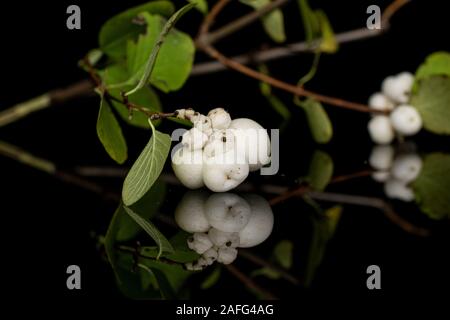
{"x":232,"y":27}
{"x":249,"y":283}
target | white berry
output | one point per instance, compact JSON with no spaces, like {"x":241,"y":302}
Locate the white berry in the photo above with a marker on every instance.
{"x":210,"y":255}
{"x":225,"y":171}
{"x":220,"y":119}
{"x":398,"y":88}
{"x":406,"y":120}
{"x":380,"y":129}
{"x":397,"y":189}
{"x":227,"y":212}
{"x":199,"y":242}
{"x":381,"y":176}
{"x":407,"y":167}
{"x":190,"y":212}
{"x":219,"y":142}
{"x":220,"y":238}
{"x":381,"y":157}
{"x":194,"y":139}
{"x":260,"y":225}
{"x":379,"y":101}
{"x":253,"y":141}
{"x":226,"y":255}
{"x":188,"y":167}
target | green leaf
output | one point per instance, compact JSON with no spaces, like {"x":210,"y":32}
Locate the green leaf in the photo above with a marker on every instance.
{"x":163,"y":244}
{"x":181,"y":256}
{"x":115,"y":32}
{"x":318,"y":120}
{"x":212,"y":278}
{"x":432,"y":100}
{"x":320,"y":170}
{"x":431,"y":188}
{"x":110,"y":133}
{"x":145,"y":97}
{"x":148,"y":206}
{"x":328,"y":41}
{"x":437,"y":63}
{"x":170,"y":69}
{"x":273,"y":22}
{"x":201,"y":5}
{"x":283,"y":253}
{"x":147,"y":167}
{"x":309,"y":19}
{"x":110,"y":239}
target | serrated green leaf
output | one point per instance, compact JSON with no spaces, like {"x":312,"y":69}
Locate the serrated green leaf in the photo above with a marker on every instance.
{"x":432,"y":186}
{"x":110,"y":133}
{"x":147,"y":168}
{"x":163,"y":56}
{"x":163,"y":244}
{"x":115,"y":32}
{"x":273,"y":22}
{"x":201,"y":5}
{"x":320,"y":170}
{"x":432,"y":100}
{"x":318,"y":120}
{"x":437,"y":63}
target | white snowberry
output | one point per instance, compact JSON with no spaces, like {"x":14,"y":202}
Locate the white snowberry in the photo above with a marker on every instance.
{"x":190,"y":212}
{"x":226,"y":255}
{"x":219,"y":142}
{"x":381,"y":157}
{"x":260,"y":225}
{"x":199,"y":242}
{"x":194,"y":139}
{"x":220,"y":119}
{"x":407,"y":167}
{"x":210,"y":255}
{"x":253,"y":141}
{"x":220,"y":238}
{"x":381,"y":176}
{"x":227,"y":212}
{"x":225,"y":171}
{"x":406,"y":120}
{"x":379,"y":101}
{"x":188,"y":167}
{"x":380,"y":129}
{"x":397,"y":189}
{"x":203,"y":123}
{"x":398,"y":88}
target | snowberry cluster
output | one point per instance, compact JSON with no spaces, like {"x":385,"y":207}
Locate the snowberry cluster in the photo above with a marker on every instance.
{"x":219,"y":152}
{"x":222,"y":222}
{"x":403,"y":118}
{"x":395,"y":171}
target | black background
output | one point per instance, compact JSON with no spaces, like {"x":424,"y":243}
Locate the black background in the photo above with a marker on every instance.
{"x":46,"y":224}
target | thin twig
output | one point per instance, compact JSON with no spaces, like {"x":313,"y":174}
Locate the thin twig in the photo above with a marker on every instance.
{"x":371,"y":202}
{"x":267,"y":264}
{"x":232,"y":27}
{"x":249,"y":283}
{"x":57,"y":96}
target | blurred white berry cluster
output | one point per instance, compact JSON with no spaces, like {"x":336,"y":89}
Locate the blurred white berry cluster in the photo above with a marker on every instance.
{"x":219,"y":152}
{"x":397,"y":172}
{"x":403,"y":119}
{"x":222,"y":222}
